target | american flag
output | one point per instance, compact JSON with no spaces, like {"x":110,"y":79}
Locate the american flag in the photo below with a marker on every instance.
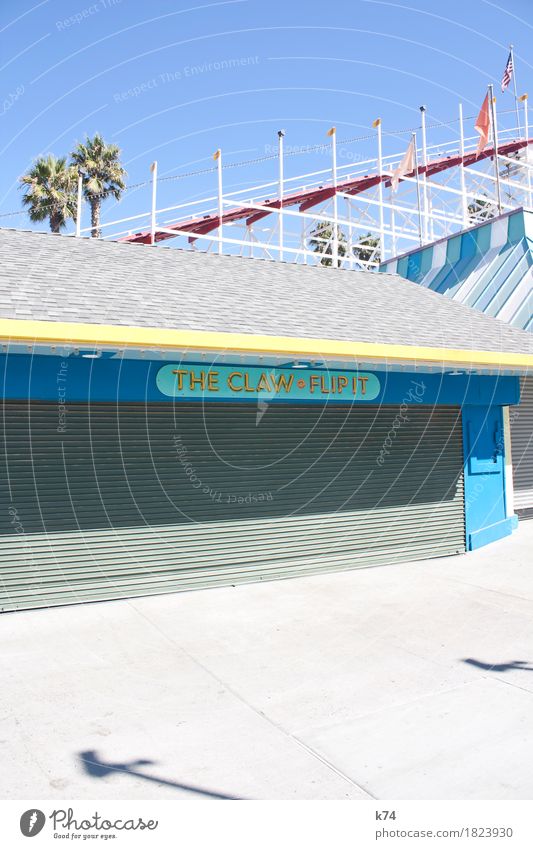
{"x":508,"y":73}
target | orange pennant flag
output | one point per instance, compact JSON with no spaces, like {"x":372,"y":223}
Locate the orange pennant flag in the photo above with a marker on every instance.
{"x":406,"y":166}
{"x":482,"y":125}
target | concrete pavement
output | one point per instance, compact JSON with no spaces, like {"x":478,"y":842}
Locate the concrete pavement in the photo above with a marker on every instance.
{"x":399,"y":682}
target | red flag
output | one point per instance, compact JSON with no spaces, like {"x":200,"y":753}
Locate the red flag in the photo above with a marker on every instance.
{"x":482,"y":125}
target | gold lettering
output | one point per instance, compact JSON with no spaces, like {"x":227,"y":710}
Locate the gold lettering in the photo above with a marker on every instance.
{"x":342,"y":382}
{"x":247,"y":387}
{"x":323,"y":388}
{"x":230,"y":381}
{"x":313,"y":380}
{"x":282,"y":382}
{"x":193,"y":380}
{"x":354,"y":385}
{"x":264,"y":383}
{"x":363,"y":381}
{"x":180,"y":372}
{"x":212,"y":381}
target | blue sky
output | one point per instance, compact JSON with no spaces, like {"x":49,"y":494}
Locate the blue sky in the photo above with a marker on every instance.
{"x":175,"y":80}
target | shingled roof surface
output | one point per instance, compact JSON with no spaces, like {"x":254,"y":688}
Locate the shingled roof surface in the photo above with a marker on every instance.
{"x":59,"y":278}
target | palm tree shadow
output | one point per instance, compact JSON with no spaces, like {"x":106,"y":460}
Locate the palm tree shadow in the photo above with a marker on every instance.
{"x":94,"y":766}
{"x":500,"y":667}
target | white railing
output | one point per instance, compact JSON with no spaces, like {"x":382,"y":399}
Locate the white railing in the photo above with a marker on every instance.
{"x":334,"y":229}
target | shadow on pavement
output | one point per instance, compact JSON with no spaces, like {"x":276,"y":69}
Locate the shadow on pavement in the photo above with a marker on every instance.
{"x":97,"y":768}
{"x":500,"y":667}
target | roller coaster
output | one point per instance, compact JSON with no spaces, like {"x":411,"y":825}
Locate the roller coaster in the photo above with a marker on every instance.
{"x":348,"y":216}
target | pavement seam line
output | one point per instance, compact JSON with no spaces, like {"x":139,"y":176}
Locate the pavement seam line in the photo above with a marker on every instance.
{"x":259,"y":713}
{"x":508,"y":683}
{"x":416,"y":699}
{"x":489,"y":589}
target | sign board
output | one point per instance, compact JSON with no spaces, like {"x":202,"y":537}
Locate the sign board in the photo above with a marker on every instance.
{"x":247,"y":383}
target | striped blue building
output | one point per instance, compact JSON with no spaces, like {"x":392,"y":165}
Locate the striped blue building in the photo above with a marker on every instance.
{"x":488,"y":268}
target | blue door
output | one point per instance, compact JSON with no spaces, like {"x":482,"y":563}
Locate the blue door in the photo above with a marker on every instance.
{"x":485,"y":507}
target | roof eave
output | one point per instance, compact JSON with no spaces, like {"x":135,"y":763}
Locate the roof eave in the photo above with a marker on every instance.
{"x":46,"y":332}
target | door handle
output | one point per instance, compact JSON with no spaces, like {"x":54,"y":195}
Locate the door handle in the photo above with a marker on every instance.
{"x":498,"y":443}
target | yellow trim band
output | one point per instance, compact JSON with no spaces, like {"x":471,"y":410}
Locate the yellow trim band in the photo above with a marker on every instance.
{"x":50,"y":332}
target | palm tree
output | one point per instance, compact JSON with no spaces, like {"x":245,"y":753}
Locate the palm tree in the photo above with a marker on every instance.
{"x":102,"y":172}
{"x":50,"y":191}
{"x":321,"y":242}
{"x":368,"y":249}
{"x":482,"y":208}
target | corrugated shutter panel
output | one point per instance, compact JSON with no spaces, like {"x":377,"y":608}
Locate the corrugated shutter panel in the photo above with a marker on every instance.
{"x":137,"y":499}
{"x":522,"y":448}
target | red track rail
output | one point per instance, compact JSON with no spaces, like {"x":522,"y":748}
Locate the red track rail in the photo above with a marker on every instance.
{"x":311,"y":197}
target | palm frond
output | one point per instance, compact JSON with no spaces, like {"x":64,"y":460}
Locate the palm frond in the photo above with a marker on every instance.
{"x":101,"y":168}
{"x":50,"y":190}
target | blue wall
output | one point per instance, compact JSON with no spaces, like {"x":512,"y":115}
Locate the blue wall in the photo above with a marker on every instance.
{"x":75,"y":379}
{"x":43,"y":378}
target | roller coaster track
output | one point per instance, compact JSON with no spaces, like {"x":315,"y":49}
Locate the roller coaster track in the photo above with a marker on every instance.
{"x":309,"y":197}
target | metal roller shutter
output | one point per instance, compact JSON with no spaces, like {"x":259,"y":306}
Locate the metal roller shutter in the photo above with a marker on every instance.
{"x":141,"y":499}
{"x":522,"y":449}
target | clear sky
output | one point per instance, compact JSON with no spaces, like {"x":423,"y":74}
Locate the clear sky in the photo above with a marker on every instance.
{"x":173,"y":81}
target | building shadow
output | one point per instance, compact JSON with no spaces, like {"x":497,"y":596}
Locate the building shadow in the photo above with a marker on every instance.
{"x":500,"y":667}
{"x":94,"y":766}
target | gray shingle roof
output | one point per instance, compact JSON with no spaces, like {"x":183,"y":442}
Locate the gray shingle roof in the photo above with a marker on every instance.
{"x":59,"y":278}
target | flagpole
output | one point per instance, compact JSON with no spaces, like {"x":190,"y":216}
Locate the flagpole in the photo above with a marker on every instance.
{"x":393,"y":223}
{"x":281,"y":134}
{"x":377,"y":125}
{"x":464,"y":201}
{"x":526,"y":134}
{"x":217,"y":156}
{"x":80,"y":201}
{"x":495,"y":141}
{"x":424,"y":179}
{"x":515,"y":92}
{"x":413,"y":139}
{"x":333,"y":134}
{"x":153,"y":169}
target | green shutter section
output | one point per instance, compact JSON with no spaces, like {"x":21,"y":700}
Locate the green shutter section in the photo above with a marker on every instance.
{"x":522,"y":448}
{"x":140,"y":499}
